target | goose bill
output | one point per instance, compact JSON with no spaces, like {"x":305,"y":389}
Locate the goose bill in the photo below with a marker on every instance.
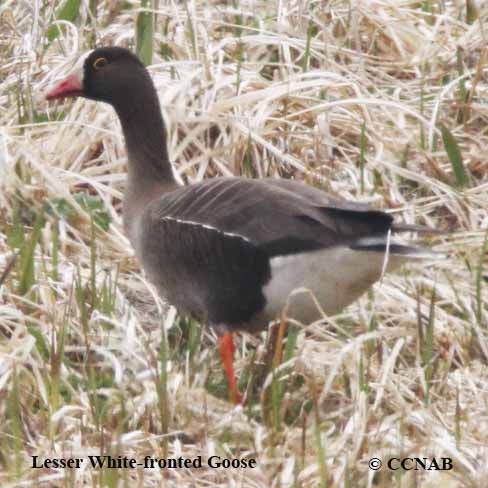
{"x":71,"y":86}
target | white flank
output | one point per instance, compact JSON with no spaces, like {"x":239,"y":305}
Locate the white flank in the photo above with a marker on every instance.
{"x":335,"y":277}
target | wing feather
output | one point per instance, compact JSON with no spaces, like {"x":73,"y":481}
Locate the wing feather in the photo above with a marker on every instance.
{"x":280,"y":216}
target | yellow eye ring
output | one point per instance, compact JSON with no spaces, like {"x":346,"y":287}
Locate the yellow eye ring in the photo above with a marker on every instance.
{"x":99,"y":63}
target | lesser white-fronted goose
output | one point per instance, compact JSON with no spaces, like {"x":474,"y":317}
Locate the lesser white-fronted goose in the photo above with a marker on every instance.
{"x":229,"y":251}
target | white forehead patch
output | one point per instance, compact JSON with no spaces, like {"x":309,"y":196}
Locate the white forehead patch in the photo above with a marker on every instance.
{"x":81,"y":60}
{"x":77,"y":70}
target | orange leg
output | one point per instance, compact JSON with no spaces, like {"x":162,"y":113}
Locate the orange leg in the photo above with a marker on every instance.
{"x":226,"y":351}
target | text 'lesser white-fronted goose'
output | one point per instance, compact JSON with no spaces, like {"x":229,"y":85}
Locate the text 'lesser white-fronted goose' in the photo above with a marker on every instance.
{"x":229,"y":251}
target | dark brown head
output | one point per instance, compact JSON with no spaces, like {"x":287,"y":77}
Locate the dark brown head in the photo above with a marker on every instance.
{"x":108,"y":74}
{"x":116,"y":76}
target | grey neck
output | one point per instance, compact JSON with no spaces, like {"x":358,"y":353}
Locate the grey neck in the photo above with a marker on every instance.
{"x":145,"y":139}
{"x":149,"y":173}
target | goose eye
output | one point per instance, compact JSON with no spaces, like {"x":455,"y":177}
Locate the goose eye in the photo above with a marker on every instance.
{"x":100,"y":63}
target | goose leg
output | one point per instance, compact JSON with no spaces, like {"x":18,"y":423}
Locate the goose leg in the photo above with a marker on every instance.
{"x":226,"y":351}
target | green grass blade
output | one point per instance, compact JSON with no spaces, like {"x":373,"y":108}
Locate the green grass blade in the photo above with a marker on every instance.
{"x":68,"y":11}
{"x":93,"y":265}
{"x":463,"y":92}
{"x":306,"y":55}
{"x":320,"y":448}
{"x":457,"y":420}
{"x":362,"y":150}
{"x":479,"y":281}
{"x":16,"y":231}
{"x":162,"y":385}
{"x":55,"y":251}
{"x":454,"y":154}
{"x":471,"y":12}
{"x":144,"y":34}
{"x":428,"y":348}
{"x":14,"y":426}
{"x":27,"y":278}
{"x":291,"y":342}
{"x":40,"y":341}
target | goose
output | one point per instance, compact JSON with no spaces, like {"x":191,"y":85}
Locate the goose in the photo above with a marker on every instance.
{"x":230,"y":251}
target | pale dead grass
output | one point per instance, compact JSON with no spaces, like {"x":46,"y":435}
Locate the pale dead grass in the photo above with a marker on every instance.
{"x":381,"y":63}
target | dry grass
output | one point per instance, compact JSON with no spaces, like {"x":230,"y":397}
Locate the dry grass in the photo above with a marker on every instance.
{"x":348,"y":98}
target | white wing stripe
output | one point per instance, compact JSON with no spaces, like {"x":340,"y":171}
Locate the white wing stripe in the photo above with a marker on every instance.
{"x":205,"y":226}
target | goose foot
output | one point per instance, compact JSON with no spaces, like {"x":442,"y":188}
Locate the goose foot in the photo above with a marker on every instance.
{"x":226,"y":351}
